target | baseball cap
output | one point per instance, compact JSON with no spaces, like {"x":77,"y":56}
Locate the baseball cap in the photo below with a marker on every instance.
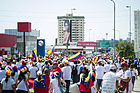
{"x":66,"y":62}
{"x":113,"y":67}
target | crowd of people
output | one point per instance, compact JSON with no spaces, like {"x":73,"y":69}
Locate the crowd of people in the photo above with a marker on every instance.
{"x":57,"y":74}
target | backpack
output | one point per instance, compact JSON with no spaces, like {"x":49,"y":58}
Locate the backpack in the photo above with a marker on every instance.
{"x":74,"y":70}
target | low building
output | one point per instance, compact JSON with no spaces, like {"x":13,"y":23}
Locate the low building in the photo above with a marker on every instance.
{"x":7,"y":43}
{"x":30,"y":40}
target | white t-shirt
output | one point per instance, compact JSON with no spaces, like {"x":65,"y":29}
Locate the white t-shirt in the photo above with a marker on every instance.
{"x":21,"y":85}
{"x":39,"y":65}
{"x":33,"y":71}
{"x":67,"y":72}
{"x":100,"y":72}
{"x":2,"y":74}
{"x":8,"y":85}
{"x":56,"y":89}
{"x":109,"y":82}
{"x":107,"y":67}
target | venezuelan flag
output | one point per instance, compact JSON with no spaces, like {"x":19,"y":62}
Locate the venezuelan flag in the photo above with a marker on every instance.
{"x":86,"y":84}
{"x":96,"y":59}
{"x":75,"y":57}
{"x":35,"y":54}
{"x":51,"y":51}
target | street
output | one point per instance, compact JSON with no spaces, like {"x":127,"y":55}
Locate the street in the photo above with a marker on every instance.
{"x":137,"y":86}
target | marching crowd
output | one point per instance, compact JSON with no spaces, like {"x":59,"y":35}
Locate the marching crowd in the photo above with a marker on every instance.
{"x":55,"y":75}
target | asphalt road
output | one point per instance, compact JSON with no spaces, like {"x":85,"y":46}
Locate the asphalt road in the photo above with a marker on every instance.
{"x":137,"y":86}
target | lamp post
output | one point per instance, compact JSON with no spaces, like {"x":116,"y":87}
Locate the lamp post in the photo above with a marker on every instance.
{"x":72,"y":10}
{"x":114,"y":27}
{"x":89,"y":33}
{"x":70,"y":28}
{"x":129,"y":21}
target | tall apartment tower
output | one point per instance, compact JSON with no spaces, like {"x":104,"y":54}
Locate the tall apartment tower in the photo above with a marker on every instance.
{"x":137,"y":33}
{"x":77,"y":28}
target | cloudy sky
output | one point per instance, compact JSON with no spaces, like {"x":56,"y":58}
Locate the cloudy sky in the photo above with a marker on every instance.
{"x":43,"y":16}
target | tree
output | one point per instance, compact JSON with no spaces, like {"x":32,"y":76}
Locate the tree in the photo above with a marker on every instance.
{"x":125,"y":49}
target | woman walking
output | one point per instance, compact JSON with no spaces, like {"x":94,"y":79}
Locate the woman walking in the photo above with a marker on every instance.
{"x":7,"y":84}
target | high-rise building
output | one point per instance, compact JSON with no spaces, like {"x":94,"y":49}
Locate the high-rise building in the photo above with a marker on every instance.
{"x":137,"y":33}
{"x":77,"y":28}
{"x":30,"y":40}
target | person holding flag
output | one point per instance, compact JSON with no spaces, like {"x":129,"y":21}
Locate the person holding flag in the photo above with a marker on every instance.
{"x":51,"y":51}
{"x":56,"y":68}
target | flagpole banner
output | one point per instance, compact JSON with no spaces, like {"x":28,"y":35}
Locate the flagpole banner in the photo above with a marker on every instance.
{"x":51,"y":51}
{"x":96,"y":59}
{"x":41,"y":47}
{"x":75,"y":57}
{"x":34,"y":55}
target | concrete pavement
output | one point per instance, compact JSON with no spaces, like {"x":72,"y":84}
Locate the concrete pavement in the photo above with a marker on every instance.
{"x":137,"y":86}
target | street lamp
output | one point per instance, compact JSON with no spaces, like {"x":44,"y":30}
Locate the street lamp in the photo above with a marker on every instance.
{"x":72,"y":10}
{"x":114,"y":28}
{"x":129,"y":21}
{"x":71,"y":28}
{"x":89,"y":33}
{"x":106,"y":36}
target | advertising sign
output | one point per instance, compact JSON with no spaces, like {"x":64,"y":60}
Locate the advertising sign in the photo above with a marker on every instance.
{"x":41,"y":47}
{"x":24,"y":26}
{"x":66,"y":31}
{"x":104,"y":44}
{"x":86,"y":44}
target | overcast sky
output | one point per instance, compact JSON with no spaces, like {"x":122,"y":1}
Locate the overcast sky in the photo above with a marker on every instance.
{"x":43,"y":16}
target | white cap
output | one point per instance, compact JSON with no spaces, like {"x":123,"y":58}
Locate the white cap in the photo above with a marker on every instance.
{"x":113,"y":67}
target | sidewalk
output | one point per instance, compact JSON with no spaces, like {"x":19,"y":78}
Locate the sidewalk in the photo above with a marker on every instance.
{"x":137,"y":86}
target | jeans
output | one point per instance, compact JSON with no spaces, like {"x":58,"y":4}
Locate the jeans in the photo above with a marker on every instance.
{"x":138,"y":71}
{"x":133,"y":80}
{"x":99,"y":81}
{"x":67,"y":85}
{"x":21,"y":91}
{"x":7,"y":91}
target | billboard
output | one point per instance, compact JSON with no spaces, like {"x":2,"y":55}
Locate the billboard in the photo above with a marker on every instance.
{"x":104,"y":44}
{"x":41,"y":47}
{"x":7,"y":40}
{"x":86,"y":44}
{"x":66,"y":31}
{"x":24,"y":27}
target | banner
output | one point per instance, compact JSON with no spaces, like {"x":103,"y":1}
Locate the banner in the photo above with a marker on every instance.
{"x":75,"y":57}
{"x":41,"y":47}
{"x":86,"y":44}
{"x":66,"y":31}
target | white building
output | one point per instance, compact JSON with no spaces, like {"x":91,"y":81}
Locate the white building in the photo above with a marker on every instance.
{"x":30,"y":39}
{"x":77,"y":28}
{"x":137,"y":33}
